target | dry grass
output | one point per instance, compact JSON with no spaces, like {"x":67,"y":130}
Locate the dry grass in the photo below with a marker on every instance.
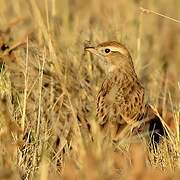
{"x":48,"y":88}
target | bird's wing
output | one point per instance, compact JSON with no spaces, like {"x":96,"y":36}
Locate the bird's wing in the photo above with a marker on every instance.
{"x":130,"y":103}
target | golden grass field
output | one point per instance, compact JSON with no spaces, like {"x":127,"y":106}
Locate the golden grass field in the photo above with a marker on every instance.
{"x":48,"y":88}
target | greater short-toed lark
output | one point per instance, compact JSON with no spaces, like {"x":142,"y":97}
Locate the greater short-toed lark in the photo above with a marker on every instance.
{"x":120,"y":101}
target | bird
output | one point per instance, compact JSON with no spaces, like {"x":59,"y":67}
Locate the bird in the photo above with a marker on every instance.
{"x":120,"y":101}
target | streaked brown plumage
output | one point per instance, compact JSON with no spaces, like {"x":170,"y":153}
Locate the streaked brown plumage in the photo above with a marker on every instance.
{"x":120,"y":101}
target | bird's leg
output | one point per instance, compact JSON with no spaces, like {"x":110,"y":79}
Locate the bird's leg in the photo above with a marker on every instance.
{"x":122,"y":130}
{"x":138,"y":128}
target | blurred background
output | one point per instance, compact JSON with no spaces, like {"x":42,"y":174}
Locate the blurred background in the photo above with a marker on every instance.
{"x":49,"y":85}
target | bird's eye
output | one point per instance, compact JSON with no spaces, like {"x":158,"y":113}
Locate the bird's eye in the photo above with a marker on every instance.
{"x":107,"y":50}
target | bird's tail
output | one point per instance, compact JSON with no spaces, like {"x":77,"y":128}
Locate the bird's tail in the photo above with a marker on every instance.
{"x":156,"y":127}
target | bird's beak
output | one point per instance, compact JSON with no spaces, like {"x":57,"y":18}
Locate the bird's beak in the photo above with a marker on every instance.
{"x":92,"y":50}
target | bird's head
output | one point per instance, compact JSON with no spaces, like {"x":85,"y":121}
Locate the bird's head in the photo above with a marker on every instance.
{"x":113,"y":54}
